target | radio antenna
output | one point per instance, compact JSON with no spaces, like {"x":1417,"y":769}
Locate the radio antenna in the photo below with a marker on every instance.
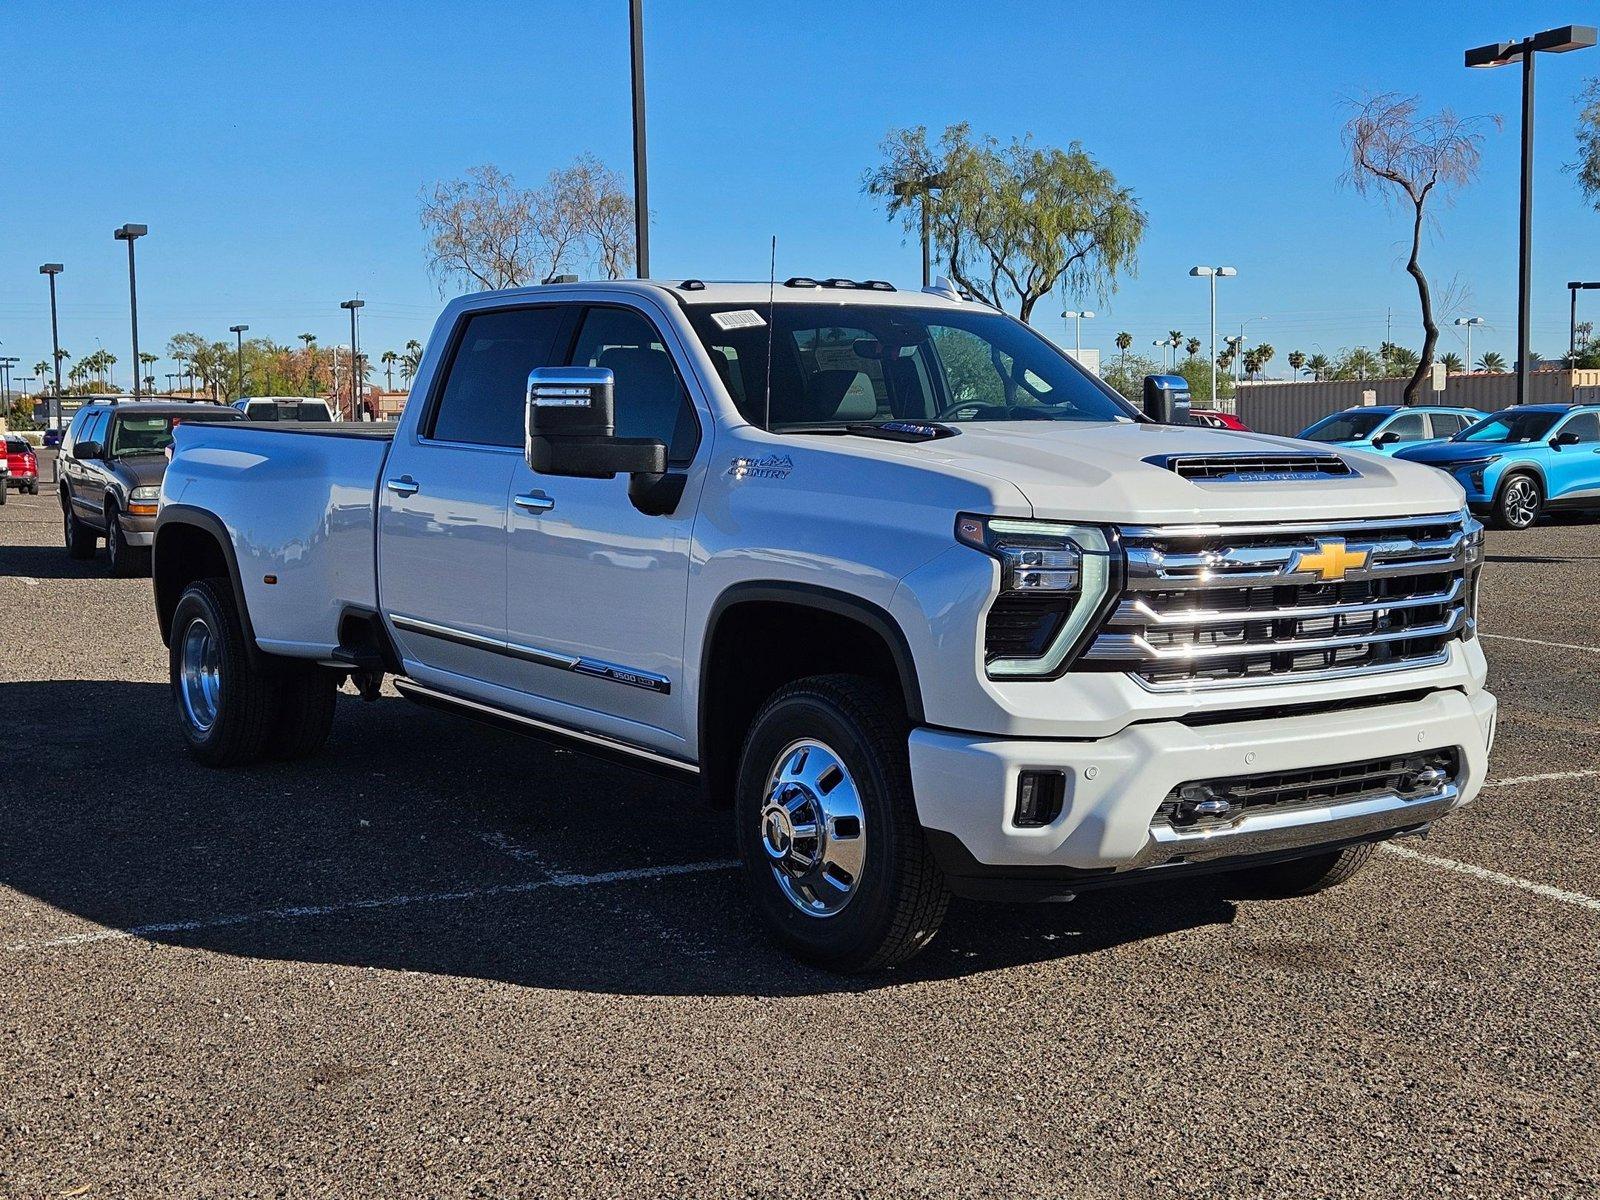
{"x":772,"y":289}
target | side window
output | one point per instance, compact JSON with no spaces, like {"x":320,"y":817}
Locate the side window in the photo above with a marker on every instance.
{"x":93,"y":427}
{"x":74,"y":431}
{"x":1585,"y":425}
{"x":650,"y":397}
{"x":1444,"y":424}
{"x":1409,"y":427}
{"x":486,"y":386}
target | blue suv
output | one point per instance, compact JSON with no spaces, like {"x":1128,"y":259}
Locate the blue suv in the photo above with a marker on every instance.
{"x":1387,"y":428}
{"x":1522,"y":461}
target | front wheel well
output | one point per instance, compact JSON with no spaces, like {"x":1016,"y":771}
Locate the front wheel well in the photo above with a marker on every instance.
{"x":756,"y":646}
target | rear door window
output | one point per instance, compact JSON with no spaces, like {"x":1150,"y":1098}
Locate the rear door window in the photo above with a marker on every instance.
{"x":1409,"y":427}
{"x":485,"y":391}
{"x":1586,"y":426}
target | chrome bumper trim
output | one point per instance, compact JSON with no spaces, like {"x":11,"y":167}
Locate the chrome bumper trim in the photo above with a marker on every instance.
{"x":1295,"y":828}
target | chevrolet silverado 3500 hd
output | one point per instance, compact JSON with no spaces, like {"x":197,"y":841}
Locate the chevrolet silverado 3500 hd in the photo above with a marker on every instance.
{"x":929,"y":607}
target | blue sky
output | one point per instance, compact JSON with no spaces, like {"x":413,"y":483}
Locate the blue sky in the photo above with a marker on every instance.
{"x":277,"y":151}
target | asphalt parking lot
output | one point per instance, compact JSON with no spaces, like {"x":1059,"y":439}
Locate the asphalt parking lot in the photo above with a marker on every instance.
{"x":440,"y":960}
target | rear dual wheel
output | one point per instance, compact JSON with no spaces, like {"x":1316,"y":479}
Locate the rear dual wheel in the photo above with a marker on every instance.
{"x":235,"y":708}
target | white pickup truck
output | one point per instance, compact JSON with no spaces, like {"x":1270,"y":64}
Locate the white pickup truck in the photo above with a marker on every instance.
{"x":929,"y":607}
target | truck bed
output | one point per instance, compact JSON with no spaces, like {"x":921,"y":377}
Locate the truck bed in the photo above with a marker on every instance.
{"x":299,"y":502}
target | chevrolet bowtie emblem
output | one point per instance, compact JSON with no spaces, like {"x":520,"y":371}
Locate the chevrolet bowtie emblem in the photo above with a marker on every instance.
{"x":1331,"y":560}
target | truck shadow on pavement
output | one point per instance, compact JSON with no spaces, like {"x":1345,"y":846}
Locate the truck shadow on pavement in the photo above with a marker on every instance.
{"x":50,"y":562}
{"x":420,"y":842}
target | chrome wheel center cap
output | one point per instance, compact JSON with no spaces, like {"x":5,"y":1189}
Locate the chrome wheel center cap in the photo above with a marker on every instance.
{"x":813,"y":830}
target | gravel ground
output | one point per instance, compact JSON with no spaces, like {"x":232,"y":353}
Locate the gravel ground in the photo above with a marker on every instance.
{"x":443,"y":961}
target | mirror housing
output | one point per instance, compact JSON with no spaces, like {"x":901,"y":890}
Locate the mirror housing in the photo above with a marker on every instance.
{"x":571,"y":427}
{"x":1569,"y":438}
{"x":1386,"y":438}
{"x":1166,"y":399}
{"x":88,"y":450}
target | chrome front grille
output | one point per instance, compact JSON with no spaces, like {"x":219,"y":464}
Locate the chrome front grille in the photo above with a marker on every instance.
{"x":1222,"y":606}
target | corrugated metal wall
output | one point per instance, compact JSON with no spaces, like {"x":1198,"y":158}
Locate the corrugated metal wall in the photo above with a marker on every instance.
{"x":1287,"y":408}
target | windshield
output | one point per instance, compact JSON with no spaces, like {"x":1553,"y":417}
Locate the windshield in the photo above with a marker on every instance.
{"x":1509,"y":426}
{"x":1344,"y":427}
{"x":151,"y":433}
{"x":287,"y":410}
{"x":840,"y":364}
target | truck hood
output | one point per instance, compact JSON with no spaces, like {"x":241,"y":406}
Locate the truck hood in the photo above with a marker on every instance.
{"x":140,"y":469}
{"x":1113,"y":472}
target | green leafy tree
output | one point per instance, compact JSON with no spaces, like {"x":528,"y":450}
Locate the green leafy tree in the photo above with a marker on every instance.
{"x":1012,"y":222}
{"x":1319,"y":366}
{"x":1408,"y":157}
{"x":1357,"y":363}
{"x":1587,"y":165}
{"x":1452,"y":363}
{"x":1127,"y":375}
{"x":1492,"y":361}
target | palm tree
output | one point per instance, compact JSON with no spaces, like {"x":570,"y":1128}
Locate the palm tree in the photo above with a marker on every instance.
{"x":1124,"y":343}
{"x":1317,"y":364}
{"x":388,"y":359}
{"x":1297,"y":360}
{"x":1492,"y":362}
{"x":1264,"y":353}
{"x":1192,"y":346}
{"x":1452,"y":363}
{"x":411,"y":360}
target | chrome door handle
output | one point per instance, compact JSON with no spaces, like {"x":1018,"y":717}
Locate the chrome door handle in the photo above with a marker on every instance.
{"x":534,"y":502}
{"x":404,"y":486}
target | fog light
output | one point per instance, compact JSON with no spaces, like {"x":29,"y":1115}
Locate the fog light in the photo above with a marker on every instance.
{"x":1039,"y":797}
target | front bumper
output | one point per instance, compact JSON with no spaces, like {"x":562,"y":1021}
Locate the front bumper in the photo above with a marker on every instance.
{"x":966,"y":784}
{"x":138,"y":530}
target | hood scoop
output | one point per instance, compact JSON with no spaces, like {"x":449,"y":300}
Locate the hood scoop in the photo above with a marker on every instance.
{"x":1254,"y":468}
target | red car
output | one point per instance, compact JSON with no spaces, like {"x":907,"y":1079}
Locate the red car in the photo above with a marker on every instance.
{"x":1216,"y":419}
{"x":24,"y":464}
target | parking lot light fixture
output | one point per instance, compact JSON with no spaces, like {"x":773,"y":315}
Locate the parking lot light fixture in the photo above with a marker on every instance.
{"x":238,"y":332}
{"x":1213,"y":274}
{"x":1501,"y":54}
{"x":1468,"y":323}
{"x":355,"y":355}
{"x":52,"y":270}
{"x":1573,"y":289}
{"x":131,"y":233}
{"x":1078,"y":318}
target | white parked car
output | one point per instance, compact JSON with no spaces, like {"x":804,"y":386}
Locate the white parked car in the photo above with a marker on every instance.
{"x":285,"y":408}
{"x":930,"y":608}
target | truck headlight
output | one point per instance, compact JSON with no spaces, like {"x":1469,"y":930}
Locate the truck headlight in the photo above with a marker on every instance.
{"x":142,"y":500}
{"x":1470,"y":471}
{"x":1055,"y":581}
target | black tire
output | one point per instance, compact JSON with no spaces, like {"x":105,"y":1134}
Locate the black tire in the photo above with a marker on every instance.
{"x":305,"y":712}
{"x":246,"y":697}
{"x":1518,"y":503}
{"x":5,"y":490}
{"x":1307,"y":876}
{"x":126,"y":561}
{"x":80,"y":539}
{"x":899,"y":897}
{"x":33,"y":489}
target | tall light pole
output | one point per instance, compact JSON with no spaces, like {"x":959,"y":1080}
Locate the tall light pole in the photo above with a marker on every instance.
{"x":1500,"y":54}
{"x":641,"y":187}
{"x":1572,"y":322}
{"x":1467,"y":323}
{"x":1078,"y":318}
{"x":1163,"y":343}
{"x":238,"y":332}
{"x":1213,"y":273}
{"x":52,"y":270}
{"x":130,"y":234}
{"x":355,"y":354}
{"x":5,"y":384}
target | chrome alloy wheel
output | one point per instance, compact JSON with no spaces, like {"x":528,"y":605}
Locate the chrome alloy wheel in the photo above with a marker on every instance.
{"x":813,"y":829}
{"x":200,"y":675}
{"x":1521,"y":502}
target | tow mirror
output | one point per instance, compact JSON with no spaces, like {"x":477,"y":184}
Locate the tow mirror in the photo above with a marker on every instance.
{"x":1569,"y":438}
{"x":572,"y":431}
{"x":1166,"y":399}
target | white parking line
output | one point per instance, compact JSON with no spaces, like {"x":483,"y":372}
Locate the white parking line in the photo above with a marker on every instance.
{"x":301,"y":912}
{"x":1505,"y":637}
{"x":1488,"y":876}
{"x":1494,"y":783}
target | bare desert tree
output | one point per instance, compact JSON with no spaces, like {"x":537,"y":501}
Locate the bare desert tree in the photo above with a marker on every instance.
{"x":486,"y":231}
{"x":1410,"y":158}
